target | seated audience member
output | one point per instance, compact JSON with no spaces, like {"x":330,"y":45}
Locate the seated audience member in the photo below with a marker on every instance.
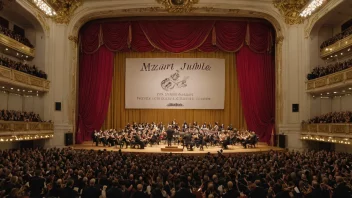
{"x":22,"y":67}
{"x":332,"y":117}
{"x":17,"y":37}
{"x":116,"y":174}
{"x":321,"y":71}
{"x":11,"y":115}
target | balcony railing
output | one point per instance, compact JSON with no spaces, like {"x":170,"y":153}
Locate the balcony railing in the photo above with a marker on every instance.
{"x":22,"y":79}
{"x":342,"y":78}
{"x":336,"y":47}
{"x":334,"y":133}
{"x":16,"y":131}
{"x":16,"y":46}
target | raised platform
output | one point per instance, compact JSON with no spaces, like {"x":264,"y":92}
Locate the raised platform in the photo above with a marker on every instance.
{"x":261,"y":147}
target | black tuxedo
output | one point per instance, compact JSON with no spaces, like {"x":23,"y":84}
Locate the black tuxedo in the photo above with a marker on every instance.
{"x":231,"y":194}
{"x":341,"y":191}
{"x":114,"y":192}
{"x":36,"y":185}
{"x":183,"y":192}
{"x":169,"y":135}
{"x":139,"y":194}
{"x":68,"y":193}
{"x":91,"y":192}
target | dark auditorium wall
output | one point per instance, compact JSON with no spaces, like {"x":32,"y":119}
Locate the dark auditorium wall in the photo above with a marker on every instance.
{"x":118,"y":116}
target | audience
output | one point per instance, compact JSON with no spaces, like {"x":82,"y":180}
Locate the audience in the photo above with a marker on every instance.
{"x":17,"y":37}
{"x":333,"y":117}
{"x":70,"y":173}
{"x":329,"y":69}
{"x":11,"y":115}
{"x":32,"y":70}
{"x":336,"y":38}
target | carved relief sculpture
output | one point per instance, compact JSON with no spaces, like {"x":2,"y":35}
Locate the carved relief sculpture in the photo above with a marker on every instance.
{"x":178,"y":6}
{"x":290,"y":10}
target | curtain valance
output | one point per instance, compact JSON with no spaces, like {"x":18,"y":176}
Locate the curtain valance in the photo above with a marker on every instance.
{"x":176,"y":36}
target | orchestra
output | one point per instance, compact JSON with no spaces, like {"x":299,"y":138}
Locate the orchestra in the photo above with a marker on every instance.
{"x":188,"y":135}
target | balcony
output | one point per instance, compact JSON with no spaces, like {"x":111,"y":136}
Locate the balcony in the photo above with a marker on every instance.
{"x":339,"y":79}
{"x":14,"y":48}
{"x":334,"y":133}
{"x":338,"y":48}
{"x":17,"y":131}
{"x":13,"y":77}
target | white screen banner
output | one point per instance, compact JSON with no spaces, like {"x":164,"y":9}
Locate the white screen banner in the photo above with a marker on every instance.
{"x":175,"y":83}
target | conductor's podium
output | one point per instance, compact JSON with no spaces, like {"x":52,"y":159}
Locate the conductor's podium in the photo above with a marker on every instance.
{"x":171,"y":149}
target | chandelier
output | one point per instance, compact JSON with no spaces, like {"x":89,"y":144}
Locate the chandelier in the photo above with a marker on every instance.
{"x":312,"y":6}
{"x":4,"y":3}
{"x":43,"y":6}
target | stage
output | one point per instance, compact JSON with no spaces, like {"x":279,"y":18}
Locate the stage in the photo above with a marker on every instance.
{"x":237,"y":149}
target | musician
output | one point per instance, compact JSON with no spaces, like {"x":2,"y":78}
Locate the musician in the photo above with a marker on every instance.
{"x":201,"y":141}
{"x":230,"y":128}
{"x":173,"y":122}
{"x":222,"y":127}
{"x":250,"y":139}
{"x":204,"y":126}
{"x":169,"y":135}
{"x":188,"y":141}
{"x":96,"y":135}
{"x":226,"y":141}
{"x":184,"y":126}
{"x":138,"y":141}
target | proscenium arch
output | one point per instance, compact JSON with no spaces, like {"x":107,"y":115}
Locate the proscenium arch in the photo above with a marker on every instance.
{"x":84,"y":15}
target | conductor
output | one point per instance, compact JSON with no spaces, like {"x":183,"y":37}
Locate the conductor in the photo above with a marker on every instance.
{"x":169,"y":135}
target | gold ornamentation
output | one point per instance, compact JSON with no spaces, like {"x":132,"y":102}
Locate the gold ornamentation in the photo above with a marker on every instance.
{"x":26,"y":79}
{"x":336,"y":79}
{"x":36,"y":82}
{"x":148,"y":9}
{"x":320,"y":83}
{"x":323,"y":128}
{"x":64,"y":9}
{"x":15,"y":45}
{"x":290,"y":10}
{"x":234,"y":11}
{"x":34,"y":126}
{"x":310,"y":85}
{"x":336,"y":47}
{"x":313,"y":128}
{"x":73,"y":38}
{"x":279,"y":40}
{"x":5,"y":72}
{"x":20,"y":77}
{"x":20,"y":127}
{"x":5,"y":127}
{"x":338,"y":128}
{"x":178,"y":6}
{"x":25,"y":130}
{"x":349,"y":75}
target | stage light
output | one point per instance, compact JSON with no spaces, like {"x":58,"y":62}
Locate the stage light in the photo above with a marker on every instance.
{"x":6,"y":49}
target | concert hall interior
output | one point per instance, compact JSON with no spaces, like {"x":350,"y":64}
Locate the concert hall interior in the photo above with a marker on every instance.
{"x":175,"y":98}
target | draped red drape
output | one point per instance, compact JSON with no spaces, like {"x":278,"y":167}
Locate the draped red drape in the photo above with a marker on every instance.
{"x":95,"y":82}
{"x":251,"y":40}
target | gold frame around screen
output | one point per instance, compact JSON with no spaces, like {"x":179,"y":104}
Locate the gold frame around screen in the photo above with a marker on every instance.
{"x":117,"y":116}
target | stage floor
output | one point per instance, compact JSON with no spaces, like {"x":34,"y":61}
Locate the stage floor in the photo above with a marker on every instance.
{"x":261,"y":147}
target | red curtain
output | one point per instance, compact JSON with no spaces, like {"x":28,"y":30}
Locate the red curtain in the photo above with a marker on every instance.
{"x":95,"y":82}
{"x":256,"y":78}
{"x":251,"y":40}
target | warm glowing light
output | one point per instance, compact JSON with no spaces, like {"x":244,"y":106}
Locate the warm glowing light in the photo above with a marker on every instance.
{"x":312,"y":6}
{"x":43,"y":6}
